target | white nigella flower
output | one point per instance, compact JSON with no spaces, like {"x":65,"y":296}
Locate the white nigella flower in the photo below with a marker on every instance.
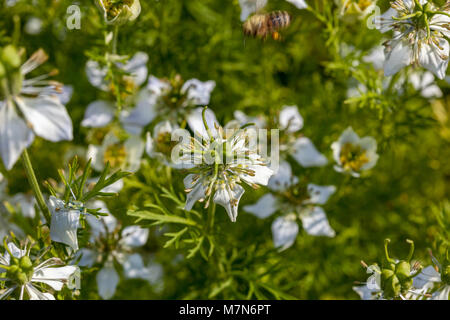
{"x":160,"y":145}
{"x":109,"y":245}
{"x":420,"y":32}
{"x":135,"y":69}
{"x":25,"y":275}
{"x":287,"y":195}
{"x":290,"y":122}
{"x":354,"y":154}
{"x":26,"y":203}
{"x":43,"y":113}
{"x":425,"y":84}
{"x":125,"y":155}
{"x":170,"y":100}
{"x":221,"y":160}
{"x":119,"y":12}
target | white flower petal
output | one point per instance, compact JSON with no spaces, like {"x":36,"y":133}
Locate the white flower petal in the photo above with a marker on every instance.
{"x":197,"y":192}
{"x":35,"y":294}
{"x":301,"y":4}
{"x":134,"y":147}
{"x":107,"y":281}
{"x":195,"y":122}
{"x":315,"y":222}
{"x":290,"y":119}
{"x":250,"y":6}
{"x":48,"y":117}
{"x":306,"y":154}
{"x":134,"y":236}
{"x":442,"y":294}
{"x":88,"y":257}
{"x":54,"y":277}
{"x":265,"y":206}
{"x":15,"y":135}
{"x":65,"y":223}
{"x":397,"y":58}
{"x":26,"y":204}
{"x":261,"y":177}
{"x":97,"y":75}
{"x":364,"y":292}
{"x":319,"y":194}
{"x":431,"y":57}
{"x":429,"y":274}
{"x":134,"y":267}
{"x":283,"y":178}
{"x":198,"y":92}
{"x":142,"y":114}
{"x":98,"y":114}
{"x":137,"y":67}
{"x":284,"y":232}
{"x":229,"y":199}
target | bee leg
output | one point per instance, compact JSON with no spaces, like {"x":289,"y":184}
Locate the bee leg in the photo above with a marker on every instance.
{"x":276,"y":36}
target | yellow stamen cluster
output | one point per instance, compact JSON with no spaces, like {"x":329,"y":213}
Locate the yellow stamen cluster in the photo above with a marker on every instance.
{"x":115,"y":154}
{"x":353,"y":157}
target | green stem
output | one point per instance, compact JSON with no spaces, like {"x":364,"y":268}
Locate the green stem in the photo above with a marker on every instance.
{"x":35,"y":186}
{"x":211,"y":216}
{"x":440,"y":12}
{"x":115,"y":37}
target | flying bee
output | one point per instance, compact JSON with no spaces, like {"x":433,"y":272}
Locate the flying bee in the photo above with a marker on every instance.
{"x":261,"y":25}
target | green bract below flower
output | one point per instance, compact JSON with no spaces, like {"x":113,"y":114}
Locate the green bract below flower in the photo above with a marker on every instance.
{"x":119,"y":11}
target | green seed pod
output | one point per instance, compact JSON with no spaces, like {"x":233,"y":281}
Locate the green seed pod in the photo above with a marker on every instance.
{"x":392,"y":287}
{"x":25,"y":263}
{"x":403,"y":270}
{"x":10,"y":57}
{"x":22,"y":278}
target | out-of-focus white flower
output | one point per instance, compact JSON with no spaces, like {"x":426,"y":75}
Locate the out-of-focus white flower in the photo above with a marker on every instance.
{"x":250,"y":6}
{"x":125,"y":155}
{"x":119,"y":12}
{"x":221,"y":161}
{"x":426,"y":84}
{"x":304,"y":203}
{"x":33,"y":26}
{"x":301,"y":4}
{"x":26,"y":273}
{"x":135,"y":70}
{"x":105,"y":230}
{"x":25,"y":202}
{"x":354,"y":154}
{"x":44,"y":114}
{"x":420,"y":34}
{"x":160,"y":145}
{"x":170,"y":100}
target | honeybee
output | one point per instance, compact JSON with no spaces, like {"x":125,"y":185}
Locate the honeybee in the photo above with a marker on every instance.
{"x":261,"y":25}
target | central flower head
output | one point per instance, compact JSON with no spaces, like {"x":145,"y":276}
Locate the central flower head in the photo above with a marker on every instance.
{"x":221,"y":160}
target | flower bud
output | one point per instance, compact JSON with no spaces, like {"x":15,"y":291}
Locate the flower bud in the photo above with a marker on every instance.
{"x":10,"y":57}
{"x":118,"y":12}
{"x":403,"y":270}
{"x":25,"y":263}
